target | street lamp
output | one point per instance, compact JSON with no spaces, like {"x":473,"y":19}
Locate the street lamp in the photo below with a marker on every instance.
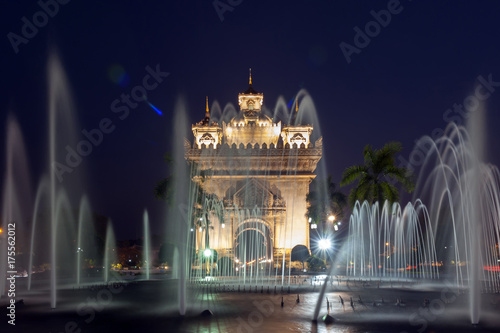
{"x":331,"y":218}
{"x":207,"y":253}
{"x":324,"y":244}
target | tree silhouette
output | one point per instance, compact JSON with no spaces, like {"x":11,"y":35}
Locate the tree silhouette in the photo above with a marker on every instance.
{"x":376,"y":176}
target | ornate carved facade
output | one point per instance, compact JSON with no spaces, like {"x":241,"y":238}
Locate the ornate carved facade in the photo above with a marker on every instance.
{"x":261,"y":172}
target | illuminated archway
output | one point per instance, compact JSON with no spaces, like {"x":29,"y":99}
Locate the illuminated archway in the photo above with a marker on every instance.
{"x":253,"y":241}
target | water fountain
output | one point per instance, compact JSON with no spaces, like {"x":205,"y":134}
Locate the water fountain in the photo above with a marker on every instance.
{"x":72,"y":238}
{"x":183,"y":207}
{"x":39,"y":206}
{"x":58,"y":191}
{"x":16,"y":194}
{"x":464,"y":195}
{"x":62,"y":136}
{"x":146,"y":257}
{"x":85,"y":243}
{"x":391,"y":242}
{"x":456,"y":190}
{"x":454,"y":236}
{"x":208,"y":218}
{"x":51,"y":195}
{"x":110,"y":250}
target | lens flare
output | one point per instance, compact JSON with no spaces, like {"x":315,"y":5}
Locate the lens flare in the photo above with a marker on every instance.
{"x":155,"y":108}
{"x":324,"y":244}
{"x":117,"y":75}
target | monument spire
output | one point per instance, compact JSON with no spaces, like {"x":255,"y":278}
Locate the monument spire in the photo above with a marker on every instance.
{"x":207,"y":111}
{"x":250,"y":90}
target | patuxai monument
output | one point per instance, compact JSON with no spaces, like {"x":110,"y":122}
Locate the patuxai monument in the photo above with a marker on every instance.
{"x":259,"y":170}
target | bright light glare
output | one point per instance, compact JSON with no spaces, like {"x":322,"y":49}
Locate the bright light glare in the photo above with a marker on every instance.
{"x":223,"y":225}
{"x":324,"y":244}
{"x":331,"y":218}
{"x":336,"y":228}
{"x":207,"y":253}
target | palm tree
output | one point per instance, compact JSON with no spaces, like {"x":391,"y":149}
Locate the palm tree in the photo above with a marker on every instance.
{"x":325,"y":200}
{"x":163,"y":189}
{"x":377,"y":176}
{"x":204,"y":223}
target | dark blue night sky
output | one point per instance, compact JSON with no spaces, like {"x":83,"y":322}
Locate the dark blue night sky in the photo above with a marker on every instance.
{"x":397,"y":80}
